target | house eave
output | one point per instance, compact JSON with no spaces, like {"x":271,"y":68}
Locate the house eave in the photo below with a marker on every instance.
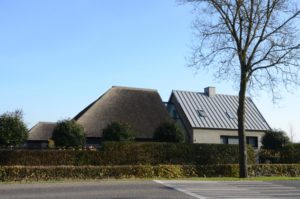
{"x":229,"y":129}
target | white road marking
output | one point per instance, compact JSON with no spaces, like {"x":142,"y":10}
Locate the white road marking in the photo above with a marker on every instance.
{"x":229,"y":189}
{"x":181,"y":190}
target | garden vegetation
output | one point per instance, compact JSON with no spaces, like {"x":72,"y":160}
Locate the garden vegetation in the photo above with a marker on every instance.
{"x":13,"y":131}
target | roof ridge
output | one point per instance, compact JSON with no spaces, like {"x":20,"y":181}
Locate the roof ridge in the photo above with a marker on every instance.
{"x":217,"y":94}
{"x":134,"y":88}
{"x":204,"y":93}
{"x":42,"y":122}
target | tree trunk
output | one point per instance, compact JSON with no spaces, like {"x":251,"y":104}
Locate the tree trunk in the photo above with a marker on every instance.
{"x":241,"y":127}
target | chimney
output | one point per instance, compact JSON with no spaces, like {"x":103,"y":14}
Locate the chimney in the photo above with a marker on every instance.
{"x":210,"y":91}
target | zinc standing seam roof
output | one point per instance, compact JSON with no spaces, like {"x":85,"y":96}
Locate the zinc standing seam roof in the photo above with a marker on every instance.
{"x":216,"y":109}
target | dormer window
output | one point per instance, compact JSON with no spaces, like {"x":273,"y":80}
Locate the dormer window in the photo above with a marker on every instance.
{"x":230,"y":115}
{"x":201,"y":113}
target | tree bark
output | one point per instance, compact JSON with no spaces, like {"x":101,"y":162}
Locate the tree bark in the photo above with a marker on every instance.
{"x":241,"y":127}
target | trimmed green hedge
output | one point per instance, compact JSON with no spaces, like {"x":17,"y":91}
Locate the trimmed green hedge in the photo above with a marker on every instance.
{"x":172,"y":153}
{"x":289,"y":170}
{"x":44,"y":173}
{"x":129,"y":153}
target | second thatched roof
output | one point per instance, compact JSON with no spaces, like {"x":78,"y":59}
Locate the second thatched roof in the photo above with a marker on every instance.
{"x":42,"y":131}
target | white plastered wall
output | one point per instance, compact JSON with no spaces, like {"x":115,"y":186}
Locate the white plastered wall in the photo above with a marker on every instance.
{"x":214,"y":136}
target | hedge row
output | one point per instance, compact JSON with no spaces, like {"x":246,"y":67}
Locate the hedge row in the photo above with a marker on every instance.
{"x":289,"y":154}
{"x":44,"y":173}
{"x":129,"y":153}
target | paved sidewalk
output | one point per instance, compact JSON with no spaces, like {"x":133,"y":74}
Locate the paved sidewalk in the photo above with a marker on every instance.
{"x":235,"y":189}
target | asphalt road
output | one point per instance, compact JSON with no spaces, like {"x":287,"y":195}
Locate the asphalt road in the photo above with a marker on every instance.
{"x":90,"y":190}
{"x":153,"y":189}
{"x":237,"y":189}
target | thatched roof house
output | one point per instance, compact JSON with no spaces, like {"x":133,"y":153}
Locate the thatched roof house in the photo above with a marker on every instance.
{"x":40,"y":134}
{"x":142,"y":109}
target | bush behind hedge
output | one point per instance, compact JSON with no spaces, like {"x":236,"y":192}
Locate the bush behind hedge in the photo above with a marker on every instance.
{"x":289,"y":154}
{"x":45,"y":173}
{"x":129,"y":153}
{"x":267,"y":156}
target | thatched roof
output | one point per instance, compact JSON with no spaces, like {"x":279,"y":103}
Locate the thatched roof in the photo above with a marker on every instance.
{"x":142,"y":109}
{"x":41,"y":131}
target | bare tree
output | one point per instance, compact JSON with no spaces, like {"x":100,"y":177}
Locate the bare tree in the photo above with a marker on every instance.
{"x":291,"y":129}
{"x":253,"y":42}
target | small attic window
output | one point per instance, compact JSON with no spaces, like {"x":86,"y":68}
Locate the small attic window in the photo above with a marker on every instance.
{"x":230,"y":115}
{"x":201,"y":113}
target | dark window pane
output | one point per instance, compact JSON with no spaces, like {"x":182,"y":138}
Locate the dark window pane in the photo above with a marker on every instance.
{"x":224,"y":140}
{"x":233,"y":140}
{"x":252,"y":141}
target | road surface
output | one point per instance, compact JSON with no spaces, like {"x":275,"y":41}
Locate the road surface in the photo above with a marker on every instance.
{"x":166,"y":189}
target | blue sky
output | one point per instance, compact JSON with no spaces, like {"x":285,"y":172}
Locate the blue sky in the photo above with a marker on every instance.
{"x":57,"y":56}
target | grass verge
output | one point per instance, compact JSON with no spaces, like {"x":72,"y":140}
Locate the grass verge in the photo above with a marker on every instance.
{"x":273,"y":178}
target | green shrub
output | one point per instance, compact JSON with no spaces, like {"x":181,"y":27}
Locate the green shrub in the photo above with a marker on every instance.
{"x":168,"y":132}
{"x":275,"y":140}
{"x":118,"y":132}
{"x":13,"y":130}
{"x":129,"y":153}
{"x":291,"y":153}
{"x":68,"y":133}
{"x":44,"y":173}
{"x":269,"y":156}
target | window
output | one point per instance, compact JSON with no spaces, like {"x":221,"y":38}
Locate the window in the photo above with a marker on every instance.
{"x":172,"y":111}
{"x":224,"y":140}
{"x":253,"y":141}
{"x":229,"y":140}
{"x":233,"y":140}
{"x":174,"y":114}
{"x":230,"y":115}
{"x":201,"y":113}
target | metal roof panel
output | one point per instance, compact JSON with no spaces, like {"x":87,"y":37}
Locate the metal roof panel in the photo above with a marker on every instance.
{"x":215,"y":108}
